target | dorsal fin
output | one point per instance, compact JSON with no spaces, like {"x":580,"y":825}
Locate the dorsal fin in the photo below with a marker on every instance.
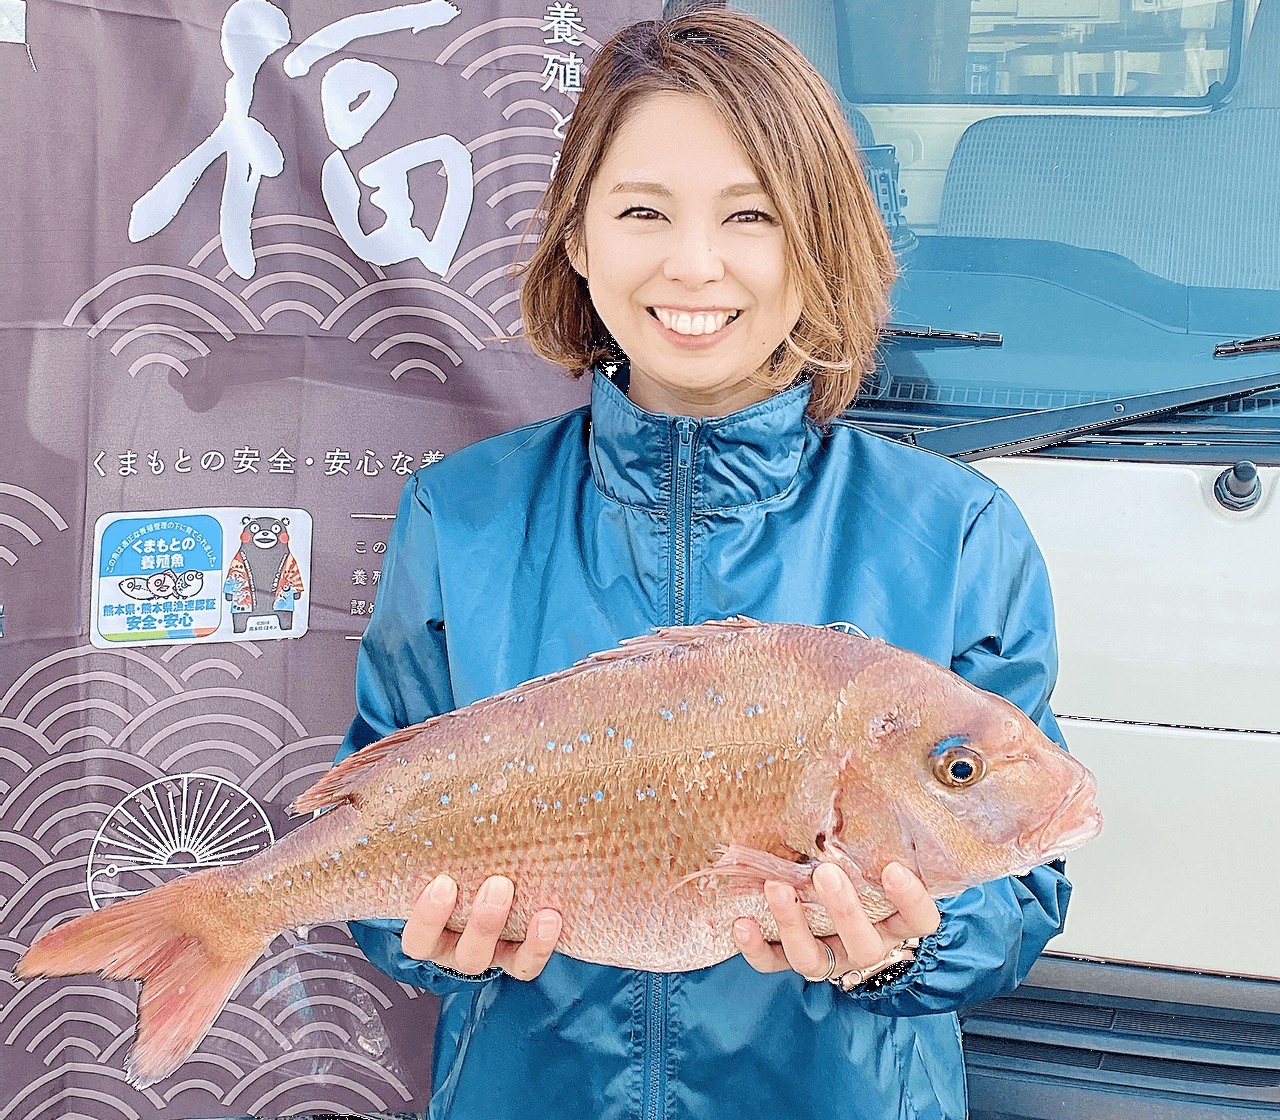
{"x":339,"y":784}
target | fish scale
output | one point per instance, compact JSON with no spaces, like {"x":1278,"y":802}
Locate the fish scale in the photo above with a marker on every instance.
{"x":647,"y":793}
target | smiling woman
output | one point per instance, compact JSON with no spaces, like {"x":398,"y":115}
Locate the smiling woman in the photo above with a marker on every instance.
{"x":710,"y":251}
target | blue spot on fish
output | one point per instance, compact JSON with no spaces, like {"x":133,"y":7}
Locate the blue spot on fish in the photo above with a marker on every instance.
{"x":493,"y":818}
{"x":475,"y":787}
{"x":557,"y":804}
{"x":363,"y":840}
{"x":582,"y":800}
{"x":627,"y":743}
{"x":550,"y":745}
{"x":567,"y":748}
{"x":427,"y":776}
{"x":444,"y":799}
{"x":585,"y":737}
{"x":665,"y":714}
{"x":360,"y":874}
{"x":598,"y":795}
{"x":708,"y":754}
{"x":610,"y":732}
{"x":530,"y":768}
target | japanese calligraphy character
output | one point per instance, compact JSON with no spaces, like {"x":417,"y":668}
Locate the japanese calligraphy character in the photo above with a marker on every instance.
{"x":359,"y":578}
{"x":369,"y":466}
{"x":359,"y":548}
{"x":358,"y":606}
{"x":155,"y":462}
{"x":564,"y":24}
{"x":252,"y":31}
{"x":377,"y":575}
{"x":433,"y":456}
{"x":212,"y":461}
{"x":180,"y":463}
{"x":335,"y":461}
{"x":564,"y":70}
{"x":282,"y":462}
{"x":397,"y":239}
{"x":379,"y":547}
{"x":402,"y":463}
{"x":245,"y":458}
{"x":128,"y":462}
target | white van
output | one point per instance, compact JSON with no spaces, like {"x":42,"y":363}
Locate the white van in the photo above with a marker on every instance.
{"x":1085,"y":200}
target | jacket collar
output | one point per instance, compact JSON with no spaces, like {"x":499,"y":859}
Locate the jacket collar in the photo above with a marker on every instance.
{"x":748,"y":456}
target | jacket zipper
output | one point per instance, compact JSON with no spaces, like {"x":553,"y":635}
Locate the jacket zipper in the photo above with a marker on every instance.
{"x":655,"y":1064}
{"x":686,"y":428}
{"x":655,"y":1087}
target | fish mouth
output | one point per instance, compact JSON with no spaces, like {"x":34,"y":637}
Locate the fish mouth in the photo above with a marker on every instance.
{"x":1076,"y":821}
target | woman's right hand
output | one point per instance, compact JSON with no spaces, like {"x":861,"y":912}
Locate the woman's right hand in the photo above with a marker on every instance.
{"x":477,"y":947}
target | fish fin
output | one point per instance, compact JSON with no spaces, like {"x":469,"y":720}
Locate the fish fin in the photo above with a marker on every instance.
{"x":754,"y":867}
{"x":154,"y":938}
{"x":340,"y":783}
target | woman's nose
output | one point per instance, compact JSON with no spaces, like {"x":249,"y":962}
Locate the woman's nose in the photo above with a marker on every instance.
{"x":694,"y":258}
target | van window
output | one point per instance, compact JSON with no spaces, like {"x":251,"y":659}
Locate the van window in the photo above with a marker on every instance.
{"x":1083,"y":200}
{"x":1038,"y":52}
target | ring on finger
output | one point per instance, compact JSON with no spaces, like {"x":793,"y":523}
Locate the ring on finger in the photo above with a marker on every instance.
{"x":831,"y":965}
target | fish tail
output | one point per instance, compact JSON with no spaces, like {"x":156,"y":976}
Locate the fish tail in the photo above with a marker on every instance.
{"x":163,"y":939}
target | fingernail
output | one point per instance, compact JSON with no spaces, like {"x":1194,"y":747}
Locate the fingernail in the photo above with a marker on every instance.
{"x":441,"y":889}
{"x":832,"y":879}
{"x":741,"y":932}
{"x":549,"y":926}
{"x":895,"y":875}
{"x":495,"y":892}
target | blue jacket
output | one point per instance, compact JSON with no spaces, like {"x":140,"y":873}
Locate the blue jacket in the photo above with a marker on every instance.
{"x":524,"y":553}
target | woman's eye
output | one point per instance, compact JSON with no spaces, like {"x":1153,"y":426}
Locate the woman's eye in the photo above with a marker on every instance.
{"x":643,"y":212}
{"x":747,"y":217}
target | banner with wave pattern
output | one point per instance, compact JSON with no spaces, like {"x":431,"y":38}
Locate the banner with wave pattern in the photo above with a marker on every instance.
{"x":256,"y":254}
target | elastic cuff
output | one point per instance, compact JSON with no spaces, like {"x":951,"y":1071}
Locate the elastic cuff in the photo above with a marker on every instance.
{"x":490,"y":973}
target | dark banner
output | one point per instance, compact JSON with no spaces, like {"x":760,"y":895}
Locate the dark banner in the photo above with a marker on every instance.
{"x":255,"y":273}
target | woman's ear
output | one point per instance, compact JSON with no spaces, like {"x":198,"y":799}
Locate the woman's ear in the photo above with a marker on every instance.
{"x":577,"y":253}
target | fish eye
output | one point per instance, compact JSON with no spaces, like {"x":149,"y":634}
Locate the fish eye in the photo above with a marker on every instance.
{"x":956,"y":765}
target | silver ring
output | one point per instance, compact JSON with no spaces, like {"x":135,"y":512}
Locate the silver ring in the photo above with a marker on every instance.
{"x":831,"y":965}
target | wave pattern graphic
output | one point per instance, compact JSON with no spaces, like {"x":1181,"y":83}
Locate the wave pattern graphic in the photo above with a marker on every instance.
{"x":120,"y":769}
{"x":24,"y":516}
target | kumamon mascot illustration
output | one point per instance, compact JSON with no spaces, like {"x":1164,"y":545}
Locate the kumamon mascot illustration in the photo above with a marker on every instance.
{"x":263,"y":578}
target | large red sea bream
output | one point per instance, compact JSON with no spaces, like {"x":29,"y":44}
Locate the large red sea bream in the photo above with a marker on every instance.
{"x":646,"y":793}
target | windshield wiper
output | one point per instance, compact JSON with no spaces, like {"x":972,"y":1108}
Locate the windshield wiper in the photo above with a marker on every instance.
{"x":1030,"y":431}
{"x":908,"y":332}
{"x":1247,"y":346}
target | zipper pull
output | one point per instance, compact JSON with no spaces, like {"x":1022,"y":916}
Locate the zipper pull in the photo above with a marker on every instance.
{"x":686,"y":427}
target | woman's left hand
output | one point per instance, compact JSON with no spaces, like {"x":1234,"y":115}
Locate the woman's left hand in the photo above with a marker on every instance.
{"x":859,"y":943}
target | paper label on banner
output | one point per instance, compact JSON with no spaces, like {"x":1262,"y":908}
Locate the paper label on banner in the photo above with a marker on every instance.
{"x":218,"y":574}
{"x":13,"y":21}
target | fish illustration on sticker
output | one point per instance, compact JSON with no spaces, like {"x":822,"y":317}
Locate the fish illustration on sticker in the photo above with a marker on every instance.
{"x":646,"y":793}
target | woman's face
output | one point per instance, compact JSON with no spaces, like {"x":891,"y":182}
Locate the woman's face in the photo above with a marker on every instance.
{"x":686,"y":259}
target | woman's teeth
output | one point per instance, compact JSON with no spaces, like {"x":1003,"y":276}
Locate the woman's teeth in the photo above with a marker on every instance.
{"x":701,"y":322}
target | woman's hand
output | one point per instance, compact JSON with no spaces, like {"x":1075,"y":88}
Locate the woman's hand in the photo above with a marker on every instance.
{"x":859,"y":943}
{"x":477,"y":947}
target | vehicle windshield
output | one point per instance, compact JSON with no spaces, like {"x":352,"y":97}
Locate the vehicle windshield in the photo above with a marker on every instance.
{"x":1093,"y":181}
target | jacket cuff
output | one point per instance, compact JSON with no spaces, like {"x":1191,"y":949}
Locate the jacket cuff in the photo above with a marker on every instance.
{"x":379,"y":940}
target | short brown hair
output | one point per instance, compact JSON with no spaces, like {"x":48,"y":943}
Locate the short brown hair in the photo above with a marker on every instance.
{"x":787,"y":120}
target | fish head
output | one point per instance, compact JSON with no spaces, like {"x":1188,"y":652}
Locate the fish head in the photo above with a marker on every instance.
{"x":975,"y":789}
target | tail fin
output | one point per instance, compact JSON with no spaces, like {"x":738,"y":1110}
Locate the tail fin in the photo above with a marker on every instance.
{"x":158,"y":937}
